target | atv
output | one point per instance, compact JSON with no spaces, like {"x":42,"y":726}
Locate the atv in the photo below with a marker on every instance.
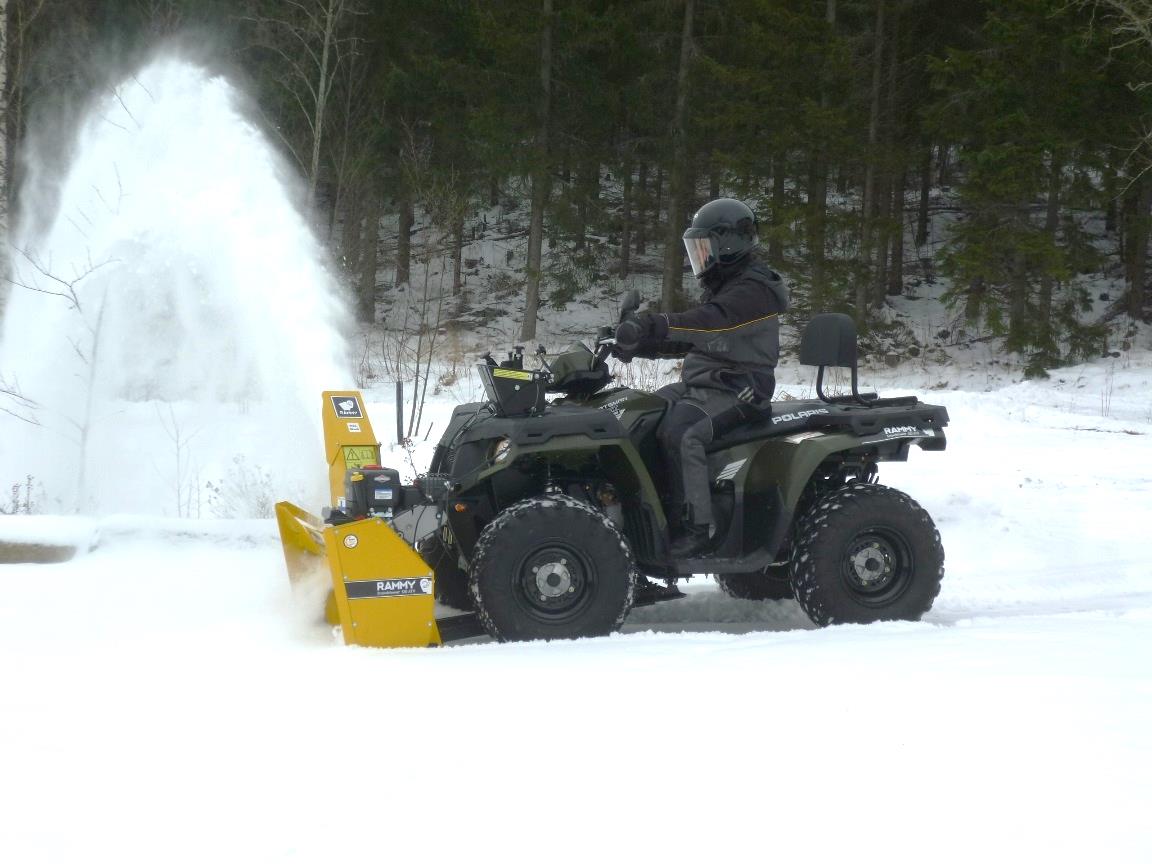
{"x":550,"y":514}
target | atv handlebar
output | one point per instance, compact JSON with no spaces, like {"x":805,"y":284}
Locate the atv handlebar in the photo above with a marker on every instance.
{"x":605,"y":340}
{"x":604,"y":349}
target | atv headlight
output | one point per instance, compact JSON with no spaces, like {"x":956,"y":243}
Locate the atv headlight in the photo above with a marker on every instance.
{"x":501,"y":449}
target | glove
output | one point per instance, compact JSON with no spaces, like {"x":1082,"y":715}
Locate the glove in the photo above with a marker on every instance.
{"x":622,"y":356}
{"x":630,"y":333}
{"x":637,"y":329}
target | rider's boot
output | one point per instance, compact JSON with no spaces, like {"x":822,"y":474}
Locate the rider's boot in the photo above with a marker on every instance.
{"x":649,"y":592}
{"x":691,"y":539}
{"x":694,"y":540}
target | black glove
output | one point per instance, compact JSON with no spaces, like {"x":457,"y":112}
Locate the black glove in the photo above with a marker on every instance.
{"x":637,"y":329}
{"x":622,"y":356}
{"x":630,"y":333}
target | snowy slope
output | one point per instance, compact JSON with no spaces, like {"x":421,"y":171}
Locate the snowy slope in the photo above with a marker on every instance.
{"x":162,"y":700}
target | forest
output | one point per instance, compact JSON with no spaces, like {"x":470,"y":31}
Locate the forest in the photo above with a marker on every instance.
{"x":1001,"y":146}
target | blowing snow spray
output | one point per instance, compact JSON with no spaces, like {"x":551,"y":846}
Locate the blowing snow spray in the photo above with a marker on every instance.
{"x":172,"y":319}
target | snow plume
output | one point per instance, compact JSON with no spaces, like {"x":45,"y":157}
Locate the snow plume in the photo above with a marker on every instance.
{"x":171,"y":317}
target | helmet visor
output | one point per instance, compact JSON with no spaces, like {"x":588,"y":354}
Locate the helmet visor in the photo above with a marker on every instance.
{"x":700,"y":253}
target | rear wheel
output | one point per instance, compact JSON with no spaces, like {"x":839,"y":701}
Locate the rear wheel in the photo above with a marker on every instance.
{"x":866,"y":553}
{"x":552,"y":568}
{"x":763,"y":585}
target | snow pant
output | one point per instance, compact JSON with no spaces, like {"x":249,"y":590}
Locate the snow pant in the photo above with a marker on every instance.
{"x":696,"y":417}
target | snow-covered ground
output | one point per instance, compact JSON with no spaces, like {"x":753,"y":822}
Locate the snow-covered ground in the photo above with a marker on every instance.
{"x":161,"y":699}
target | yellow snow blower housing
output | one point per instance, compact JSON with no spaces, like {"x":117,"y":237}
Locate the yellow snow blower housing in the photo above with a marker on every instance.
{"x":381,"y":591}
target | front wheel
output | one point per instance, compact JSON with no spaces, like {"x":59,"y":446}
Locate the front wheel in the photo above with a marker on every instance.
{"x":866,"y":553}
{"x":552,"y":568}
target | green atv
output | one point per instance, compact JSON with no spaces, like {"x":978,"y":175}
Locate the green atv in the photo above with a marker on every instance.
{"x":551,"y":513}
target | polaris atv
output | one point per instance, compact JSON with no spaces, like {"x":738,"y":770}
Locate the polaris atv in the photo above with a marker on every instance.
{"x":551,"y":513}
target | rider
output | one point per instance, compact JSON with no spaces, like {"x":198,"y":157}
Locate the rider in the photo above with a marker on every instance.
{"x":730,"y":343}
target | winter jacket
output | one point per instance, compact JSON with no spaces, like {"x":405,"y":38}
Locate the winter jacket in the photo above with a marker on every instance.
{"x":732,"y":339}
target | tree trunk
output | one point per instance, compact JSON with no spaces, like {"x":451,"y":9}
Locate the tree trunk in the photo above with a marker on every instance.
{"x":366,"y":291}
{"x":540,"y":179}
{"x":869,"y":196}
{"x":582,"y":185}
{"x":626,"y":214}
{"x":892,"y":202}
{"x":776,"y":238}
{"x":817,"y":221}
{"x":1018,"y":290}
{"x":974,"y":302}
{"x":925,"y":192}
{"x":1047,"y":283}
{"x":673,"y":281}
{"x":331,"y":14}
{"x":641,"y":201}
{"x":714,"y":181}
{"x":1110,"y":196}
{"x":1138,"y":246}
{"x":896,"y":264}
{"x":351,"y":235}
{"x":457,"y":249}
{"x":5,"y":130}
{"x":493,"y":191}
{"x":944,"y":166}
{"x":658,"y":197}
{"x":883,"y":218}
{"x":404,"y":237}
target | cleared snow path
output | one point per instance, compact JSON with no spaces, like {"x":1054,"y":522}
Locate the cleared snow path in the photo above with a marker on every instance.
{"x":161,"y":700}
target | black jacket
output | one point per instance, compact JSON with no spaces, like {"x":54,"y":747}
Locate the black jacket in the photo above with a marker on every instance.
{"x":732,"y":339}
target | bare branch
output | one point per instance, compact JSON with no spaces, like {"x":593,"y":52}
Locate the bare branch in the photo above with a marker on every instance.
{"x":124,"y":105}
{"x":69,"y":287}
{"x":21,"y":403}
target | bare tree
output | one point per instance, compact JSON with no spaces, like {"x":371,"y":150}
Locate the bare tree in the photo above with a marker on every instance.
{"x":679,"y":190}
{"x":541,"y":180}
{"x":163,"y":16}
{"x":1131,"y":22}
{"x":3,"y":141}
{"x":42,"y":280}
{"x":309,"y":39}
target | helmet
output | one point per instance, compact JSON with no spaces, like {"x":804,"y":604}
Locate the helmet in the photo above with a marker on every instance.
{"x":722,"y":232}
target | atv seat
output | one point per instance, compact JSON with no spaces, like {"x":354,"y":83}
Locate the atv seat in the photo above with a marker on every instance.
{"x":830,"y":340}
{"x":803,"y":415}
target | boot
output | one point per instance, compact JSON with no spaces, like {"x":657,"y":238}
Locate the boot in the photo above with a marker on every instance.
{"x":693,"y":541}
{"x":649,"y":592}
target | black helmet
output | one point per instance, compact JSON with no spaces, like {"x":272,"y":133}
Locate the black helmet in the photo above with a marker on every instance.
{"x":722,"y":232}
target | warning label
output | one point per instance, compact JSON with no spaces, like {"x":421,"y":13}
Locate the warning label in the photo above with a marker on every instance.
{"x":514,"y":374}
{"x":358,"y":457}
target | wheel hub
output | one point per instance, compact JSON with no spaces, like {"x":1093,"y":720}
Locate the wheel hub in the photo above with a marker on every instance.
{"x":871,"y":565}
{"x":554,"y":579}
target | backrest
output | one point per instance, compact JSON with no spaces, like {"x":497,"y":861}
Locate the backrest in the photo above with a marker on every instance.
{"x":829,"y":340}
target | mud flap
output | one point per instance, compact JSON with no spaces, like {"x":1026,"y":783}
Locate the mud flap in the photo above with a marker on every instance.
{"x":381,"y":591}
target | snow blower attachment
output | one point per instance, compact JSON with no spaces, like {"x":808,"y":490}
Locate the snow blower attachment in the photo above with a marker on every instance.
{"x":381,"y":591}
